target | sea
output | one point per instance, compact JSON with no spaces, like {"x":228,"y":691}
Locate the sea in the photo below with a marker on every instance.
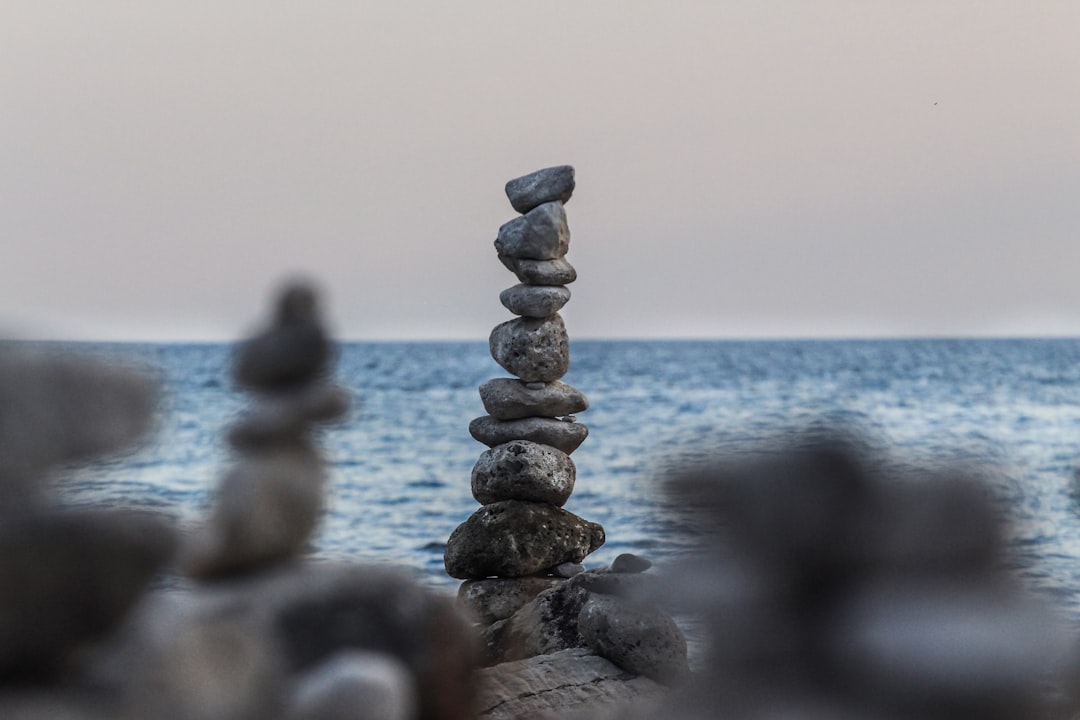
{"x":400,"y":463}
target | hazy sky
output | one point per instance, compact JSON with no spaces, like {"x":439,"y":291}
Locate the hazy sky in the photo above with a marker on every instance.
{"x":744,"y":168}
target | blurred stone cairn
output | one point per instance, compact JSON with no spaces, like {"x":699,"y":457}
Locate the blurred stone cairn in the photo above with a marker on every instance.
{"x":259,"y":633}
{"x":841,"y":586}
{"x":520,"y":554}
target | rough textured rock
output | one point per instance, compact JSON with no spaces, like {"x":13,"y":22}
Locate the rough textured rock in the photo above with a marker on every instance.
{"x":641,"y":639}
{"x":564,"y":435}
{"x":69,"y":577}
{"x":540,"y":234}
{"x":292,"y":351}
{"x":289,"y":415}
{"x":561,"y":683}
{"x":523,"y":470}
{"x":510,"y":399}
{"x":355,"y":686}
{"x":494,"y":599}
{"x":514,"y":539}
{"x":535,"y":301}
{"x":266,"y":509}
{"x":542,"y":186}
{"x":535,"y":350}
{"x":546,"y":624}
{"x":630,"y":563}
{"x":541,"y":272}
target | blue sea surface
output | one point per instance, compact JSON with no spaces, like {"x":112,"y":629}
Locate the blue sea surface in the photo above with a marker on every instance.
{"x":401,"y":463}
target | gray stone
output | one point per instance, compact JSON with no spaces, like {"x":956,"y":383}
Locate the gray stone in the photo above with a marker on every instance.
{"x":292,"y":351}
{"x":568,"y":570}
{"x":641,"y":639}
{"x":630,"y":563}
{"x":523,"y":470}
{"x":355,"y":685}
{"x":541,"y":234}
{"x":535,"y":301}
{"x":514,"y":539}
{"x":488,"y":601}
{"x":541,"y":272}
{"x":546,"y":624}
{"x":534,"y":350}
{"x":510,"y":399}
{"x":266,"y":509}
{"x":542,"y":186}
{"x":563,"y":684}
{"x":559,"y":434}
{"x":287,"y":416}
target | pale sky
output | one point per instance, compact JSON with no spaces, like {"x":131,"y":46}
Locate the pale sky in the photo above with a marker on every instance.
{"x":744,"y":169}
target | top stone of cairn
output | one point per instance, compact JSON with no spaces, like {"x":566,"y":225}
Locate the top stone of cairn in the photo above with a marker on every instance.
{"x":543,"y":186}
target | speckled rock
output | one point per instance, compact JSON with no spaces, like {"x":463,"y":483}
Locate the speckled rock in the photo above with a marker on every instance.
{"x":493,"y":599}
{"x":535,"y":350}
{"x":542,"y":186}
{"x":514,"y":539}
{"x":641,"y":639}
{"x":535,"y":301}
{"x":540,"y":234}
{"x":564,"y":435}
{"x":541,"y":272}
{"x":510,"y":399}
{"x":523,"y":470}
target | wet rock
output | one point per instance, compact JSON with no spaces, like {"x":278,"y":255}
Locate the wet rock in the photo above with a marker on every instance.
{"x":68,"y":578}
{"x":292,"y":351}
{"x":535,"y":301}
{"x":641,"y":639}
{"x":534,"y":350}
{"x":523,"y":470}
{"x":543,"y":186}
{"x":630,"y":563}
{"x":563,"y":435}
{"x":355,"y":686}
{"x":285,"y":417}
{"x":509,"y":399}
{"x":540,"y":234}
{"x":514,"y":539}
{"x":493,"y":599}
{"x":541,"y":272}
{"x":266,"y":509}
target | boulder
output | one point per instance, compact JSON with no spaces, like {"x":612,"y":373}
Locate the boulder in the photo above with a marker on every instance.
{"x":523,"y":470}
{"x":535,"y":301}
{"x":546,"y":624}
{"x":541,"y":272}
{"x":641,"y":639}
{"x":562,"y":684}
{"x":488,"y":601}
{"x":540,"y":234}
{"x":542,"y":186}
{"x":510,"y":399}
{"x":515,"y":539}
{"x":535,"y":350}
{"x":564,"y":435}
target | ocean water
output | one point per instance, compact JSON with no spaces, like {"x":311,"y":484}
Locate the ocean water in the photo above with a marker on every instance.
{"x":400,"y":464}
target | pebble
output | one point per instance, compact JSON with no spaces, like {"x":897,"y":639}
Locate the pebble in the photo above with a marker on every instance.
{"x":523,"y":470}
{"x":542,"y":186}
{"x":509,"y":399}
{"x":559,"y":434}
{"x":515,"y":539}
{"x":541,"y":272}
{"x":535,"y":301}
{"x":541,"y":234}
{"x":630,"y":563}
{"x":533,"y":350}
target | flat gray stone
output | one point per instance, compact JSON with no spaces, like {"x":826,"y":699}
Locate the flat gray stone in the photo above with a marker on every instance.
{"x":641,"y":639}
{"x":540,"y":234}
{"x":541,"y":272}
{"x":559,"y":434}
{"x":533,"y":350}
{"x":488,"y":601}
{"x":510,"y":399}
{"x":542,"y":186}
{"x":535,"y":301}
{"x":515,"y":539}
{"x":523,"y":470}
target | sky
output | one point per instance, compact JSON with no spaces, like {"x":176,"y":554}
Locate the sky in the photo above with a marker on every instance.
{"x":768,"y":169}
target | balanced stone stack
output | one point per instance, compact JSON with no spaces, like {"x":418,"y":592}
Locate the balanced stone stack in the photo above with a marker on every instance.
{"x":527,"y":475}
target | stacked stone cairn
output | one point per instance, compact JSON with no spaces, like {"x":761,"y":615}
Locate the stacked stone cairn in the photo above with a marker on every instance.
{"x":521,"y":553}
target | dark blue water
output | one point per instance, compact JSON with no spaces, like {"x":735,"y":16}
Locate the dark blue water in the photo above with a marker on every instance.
{"x":401,"y":463}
